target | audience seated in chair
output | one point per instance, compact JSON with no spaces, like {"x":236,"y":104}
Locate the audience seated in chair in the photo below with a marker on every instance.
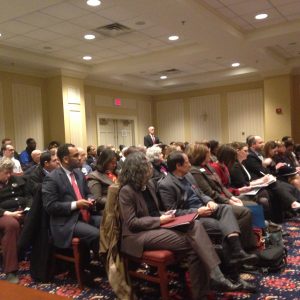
{"x":141,"y":228}
{"x":68,"y":201}
{"x":285,"y":196}
{"x":8,"y":151}
{"x":179,"y":191}
{"x":13,"y":200}
{"x":48,"y":162}
{"x":104,"y":176}
{"x":25,"y":155}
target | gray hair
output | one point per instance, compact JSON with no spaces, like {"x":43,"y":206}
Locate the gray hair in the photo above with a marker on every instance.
{"x":136,"y":171}
{"x":6,"y":164}
{"x":153,"y":153}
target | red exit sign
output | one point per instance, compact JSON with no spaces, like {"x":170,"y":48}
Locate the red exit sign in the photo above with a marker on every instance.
{"x":117,"y":102}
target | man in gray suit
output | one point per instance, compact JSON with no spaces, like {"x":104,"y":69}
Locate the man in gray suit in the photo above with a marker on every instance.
{"x":67,"y":200}
{"x":179,"y":191}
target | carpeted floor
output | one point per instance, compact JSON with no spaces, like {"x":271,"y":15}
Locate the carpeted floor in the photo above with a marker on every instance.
{"x":285,"y":285}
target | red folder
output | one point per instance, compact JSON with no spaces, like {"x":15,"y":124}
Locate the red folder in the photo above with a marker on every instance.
{"x":181,"y":220}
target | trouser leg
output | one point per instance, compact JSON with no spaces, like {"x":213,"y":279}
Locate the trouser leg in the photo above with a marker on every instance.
{"x":227,"y":219}
{"x":244,"y":219}
{"x":10,"y":229}
{"x":197,"y":249}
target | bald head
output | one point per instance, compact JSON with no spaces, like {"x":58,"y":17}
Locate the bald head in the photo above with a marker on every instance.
{"x":151,"y":130}
{"x":36,"y":155}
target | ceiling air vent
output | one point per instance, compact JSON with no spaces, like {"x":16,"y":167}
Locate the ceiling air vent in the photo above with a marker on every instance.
{"x":113,"y":30}
{"x":170,"y":71}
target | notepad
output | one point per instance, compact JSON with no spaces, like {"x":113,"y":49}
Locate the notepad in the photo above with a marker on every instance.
{"x":181,"y":221}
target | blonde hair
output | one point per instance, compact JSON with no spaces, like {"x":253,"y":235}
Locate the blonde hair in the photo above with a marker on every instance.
{"x":6,"y":164}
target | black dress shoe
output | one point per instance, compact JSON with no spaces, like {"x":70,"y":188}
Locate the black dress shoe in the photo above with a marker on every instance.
{"x":242,"y":257}
{"x":225,"y":285}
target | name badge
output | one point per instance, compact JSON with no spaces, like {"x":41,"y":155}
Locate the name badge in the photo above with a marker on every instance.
{"x":202,"y":170}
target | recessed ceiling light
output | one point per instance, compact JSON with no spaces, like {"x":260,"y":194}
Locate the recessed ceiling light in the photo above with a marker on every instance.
{"x":89,"y":36}
{"x":87,"y":57}
{"x":235,"y":65}
{"x":163,"y":77}
{"x":93,"y":2}
{"x":173,"y":38}
{"x":261,"y":16}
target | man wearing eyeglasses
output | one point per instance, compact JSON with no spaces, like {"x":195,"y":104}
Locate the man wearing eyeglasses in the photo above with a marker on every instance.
{"x":8,"y":152}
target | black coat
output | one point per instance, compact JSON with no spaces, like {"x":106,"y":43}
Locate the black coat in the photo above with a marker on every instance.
{"x":14,"y":195}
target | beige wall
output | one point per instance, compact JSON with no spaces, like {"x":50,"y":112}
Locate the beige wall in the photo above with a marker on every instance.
{"x":12,"y":85}
{"x":295,"y":111}
{"x":277,"y":94}
{"x":220,"y":97}
{"x":100,"y":101}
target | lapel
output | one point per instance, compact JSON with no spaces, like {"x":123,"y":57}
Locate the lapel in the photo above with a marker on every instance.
{"x":64,"y":180}
{"x":254,"y":155}
{"x":189,"y":177}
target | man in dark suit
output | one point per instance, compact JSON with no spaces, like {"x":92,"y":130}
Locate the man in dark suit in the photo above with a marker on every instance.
{"x":67,"y":200}
{"x":48,"y":163}
{"x":150,"y":139}
{"x":282,"y":195}
{"x":180,"y":191}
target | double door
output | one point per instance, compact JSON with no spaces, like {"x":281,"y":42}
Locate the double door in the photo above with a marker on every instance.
{"x":115,"y":132}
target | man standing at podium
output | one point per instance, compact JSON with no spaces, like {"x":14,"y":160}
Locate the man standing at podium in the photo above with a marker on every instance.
{"x":150,"y":139}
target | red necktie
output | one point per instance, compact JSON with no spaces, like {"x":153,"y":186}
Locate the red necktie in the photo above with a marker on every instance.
{"x":84,"y":213}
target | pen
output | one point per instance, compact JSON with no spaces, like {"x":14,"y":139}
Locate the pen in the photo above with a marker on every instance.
{"x":262,"y":173}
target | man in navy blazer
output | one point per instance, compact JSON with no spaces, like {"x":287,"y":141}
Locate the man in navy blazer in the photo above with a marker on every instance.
{"x":67,"y":205}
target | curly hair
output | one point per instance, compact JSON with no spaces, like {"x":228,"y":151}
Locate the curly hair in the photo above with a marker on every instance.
{"x":153,"y":153}
{"x":136,"y":171}
{"x":6,"y":164}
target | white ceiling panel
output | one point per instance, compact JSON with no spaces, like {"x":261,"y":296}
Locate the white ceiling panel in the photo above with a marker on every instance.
{"x":39,"y":19}
{"x":253,"y":6}
{"x":43,"y":35}
{"x":64,"y":11}
{"x":290,"y":9}
{"x":212,"y":35}
{"x":17,"y":27}
{"x":91,"y":21}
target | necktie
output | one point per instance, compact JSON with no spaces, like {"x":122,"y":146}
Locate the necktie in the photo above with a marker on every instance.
{"x":84,"y":213}
{"x":153,"y":139}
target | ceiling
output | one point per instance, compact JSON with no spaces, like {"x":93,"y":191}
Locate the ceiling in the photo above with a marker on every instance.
{"x":46,"y":37}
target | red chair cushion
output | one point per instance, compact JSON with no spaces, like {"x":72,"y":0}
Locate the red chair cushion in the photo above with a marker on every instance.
{"x":158,"y":255}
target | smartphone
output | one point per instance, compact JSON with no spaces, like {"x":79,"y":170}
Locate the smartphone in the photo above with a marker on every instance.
{"x":170,"y":212}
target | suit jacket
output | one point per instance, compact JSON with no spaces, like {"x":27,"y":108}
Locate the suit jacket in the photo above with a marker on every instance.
{"x":58,"y":194}
{"x":210,"y":184}
{"x":136,"y":219}
{"x":173,"y":196}
{"x":148,"y":140}
{"x":238,"y":176}
{"x":98,"y":184}
{"x":35,"y":179}
{"x":254,"y":165}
